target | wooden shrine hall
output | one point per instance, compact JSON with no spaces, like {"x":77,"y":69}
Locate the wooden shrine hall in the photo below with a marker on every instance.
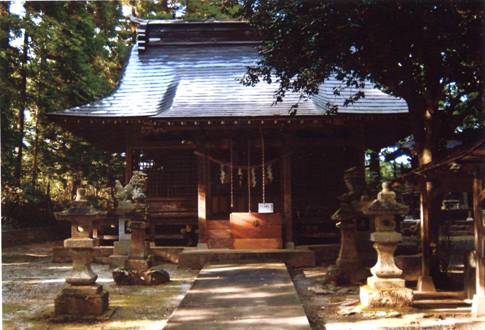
{"x":226,"y":164}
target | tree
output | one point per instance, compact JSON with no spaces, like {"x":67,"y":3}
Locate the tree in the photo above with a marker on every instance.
{"x":8,"y":56}
{"x":69,"y":54}
{"x":428,"y":53}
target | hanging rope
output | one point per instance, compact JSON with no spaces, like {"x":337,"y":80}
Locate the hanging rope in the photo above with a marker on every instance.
{"x":237,"y":166}
{"x":249,"y":177}
{"x":232,"y":177}
{"x":263,"y":176}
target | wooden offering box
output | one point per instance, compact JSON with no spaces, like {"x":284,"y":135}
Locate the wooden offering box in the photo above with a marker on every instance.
{"x":256,"y":230}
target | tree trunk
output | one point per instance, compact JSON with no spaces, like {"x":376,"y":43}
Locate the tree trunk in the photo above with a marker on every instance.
{"x":426,"y":147}
{"x":40,"y":107}
{"x":22,"y":106}
{"x":35,"y":155}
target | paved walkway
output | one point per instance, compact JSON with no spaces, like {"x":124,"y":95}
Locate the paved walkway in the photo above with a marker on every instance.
{"x":241,"y":296}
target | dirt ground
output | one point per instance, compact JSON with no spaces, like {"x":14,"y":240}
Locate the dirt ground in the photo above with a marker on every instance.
{"x":31,"y":282}
{"x":333,"y":307}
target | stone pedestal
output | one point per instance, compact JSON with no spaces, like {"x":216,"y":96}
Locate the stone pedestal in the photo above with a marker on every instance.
{"x":138,"y":255}
{"x":81,"y":301}
{"x":348,"y":257}
{"x":81,"y":298}
{"x":136,"y":270}
{"x":385,"y":288}
{"x":349,"y":267}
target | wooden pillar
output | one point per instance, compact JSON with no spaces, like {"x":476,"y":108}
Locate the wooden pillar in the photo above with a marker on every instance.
{"x":202,"y":199}
{"x":425,"y":281}
{"x":478,"y":305}
{"x":287,"y":196}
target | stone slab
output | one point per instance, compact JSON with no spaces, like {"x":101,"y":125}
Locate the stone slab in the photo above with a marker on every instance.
{"x":198,"y":258}
{"x":241,"y":296}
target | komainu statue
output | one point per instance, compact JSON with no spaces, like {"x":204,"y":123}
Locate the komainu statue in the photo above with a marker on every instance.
{"x":351,"y":205}
{"x":131,"y":194}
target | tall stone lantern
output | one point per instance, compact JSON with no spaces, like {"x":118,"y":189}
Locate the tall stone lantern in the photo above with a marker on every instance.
{"x":81,"y":297}
{"x":385,"y":288}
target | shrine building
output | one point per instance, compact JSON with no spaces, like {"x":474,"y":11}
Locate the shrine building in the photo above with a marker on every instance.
{"x":225,"y":162}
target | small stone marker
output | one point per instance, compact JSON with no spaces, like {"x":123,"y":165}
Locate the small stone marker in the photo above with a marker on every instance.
{"x":122,"y":246}
{"x":385,"y":287}
{"x":81,"y":298}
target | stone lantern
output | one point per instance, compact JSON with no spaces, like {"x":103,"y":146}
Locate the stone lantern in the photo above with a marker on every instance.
{"x":385,"y":288}
{"x":81,"y":297}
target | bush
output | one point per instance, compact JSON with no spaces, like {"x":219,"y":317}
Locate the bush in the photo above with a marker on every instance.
{"x":22,"y":208}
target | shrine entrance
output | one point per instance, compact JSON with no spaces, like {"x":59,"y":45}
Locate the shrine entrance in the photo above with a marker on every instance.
{"x":243,"y":202}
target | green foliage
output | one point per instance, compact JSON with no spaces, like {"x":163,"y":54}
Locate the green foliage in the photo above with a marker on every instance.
{"x":212,"y":9}
{"x":191,"y":9}
{"x":75,"y":54}
{"x":72,"y":53}
{"x":429,"y":53}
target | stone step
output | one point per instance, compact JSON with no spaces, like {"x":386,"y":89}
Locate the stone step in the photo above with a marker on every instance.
{"x":426,"y":295}
{"x":434,"y":303}
{"x":197,"y":258}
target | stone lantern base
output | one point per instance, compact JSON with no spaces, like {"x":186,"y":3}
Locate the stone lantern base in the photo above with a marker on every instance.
{"x":81,"y":301}
{"x":381,"y":292}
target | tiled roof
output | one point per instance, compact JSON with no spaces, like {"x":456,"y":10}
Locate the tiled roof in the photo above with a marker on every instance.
{"x":202,"y":80}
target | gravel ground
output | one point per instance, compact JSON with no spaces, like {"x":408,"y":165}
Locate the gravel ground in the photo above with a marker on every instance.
{"x":31,"y":282}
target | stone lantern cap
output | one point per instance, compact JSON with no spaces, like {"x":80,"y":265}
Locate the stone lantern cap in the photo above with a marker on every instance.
{"x":80,"y":212}
{"x":386,"y":203}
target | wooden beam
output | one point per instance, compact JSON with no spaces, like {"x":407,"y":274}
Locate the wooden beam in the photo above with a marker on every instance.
{"x":202,"y":199}
{"x":287,"y":195}
{"x":478,"y":306}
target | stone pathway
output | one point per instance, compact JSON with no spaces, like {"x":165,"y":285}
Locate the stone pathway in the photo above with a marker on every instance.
{"x":241,"y":296}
